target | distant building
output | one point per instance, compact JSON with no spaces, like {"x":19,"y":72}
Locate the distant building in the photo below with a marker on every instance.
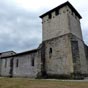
{"x":62,"y":54}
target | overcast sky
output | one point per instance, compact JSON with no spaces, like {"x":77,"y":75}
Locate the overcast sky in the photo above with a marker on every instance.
{"x":20,"y":25}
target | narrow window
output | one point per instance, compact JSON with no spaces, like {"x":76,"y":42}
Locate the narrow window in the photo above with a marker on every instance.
{"x":56,"y":12}
{"x":50,"y":16}
{"x":17,"y":62}
{"x":32,"y":62}
{"x":50,"y":52}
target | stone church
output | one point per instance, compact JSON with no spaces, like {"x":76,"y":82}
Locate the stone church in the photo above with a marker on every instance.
{"x":62,"y":53}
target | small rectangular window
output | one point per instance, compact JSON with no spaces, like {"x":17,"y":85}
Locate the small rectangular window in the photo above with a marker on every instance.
{"x":56,"y":12}
{"x":17,"y":62}
{"x":50,"y":52}
{"x":50,"y":16}
{"x":32,"y":62}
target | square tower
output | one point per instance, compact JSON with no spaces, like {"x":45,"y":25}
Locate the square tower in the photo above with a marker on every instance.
{"x":61,"y":20}
{"x":63,"y":51}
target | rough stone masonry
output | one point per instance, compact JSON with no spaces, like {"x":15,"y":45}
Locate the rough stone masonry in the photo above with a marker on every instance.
{"x":62,"y":53}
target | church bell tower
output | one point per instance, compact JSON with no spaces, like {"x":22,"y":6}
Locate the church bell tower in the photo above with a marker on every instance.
{"x":63,"y":43}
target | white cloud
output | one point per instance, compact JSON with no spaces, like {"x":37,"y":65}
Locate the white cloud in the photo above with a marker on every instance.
{"x":36,"y":4}
{"x":21,"y":26}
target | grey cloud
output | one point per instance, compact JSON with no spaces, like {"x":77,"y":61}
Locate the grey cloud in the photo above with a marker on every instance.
{"x":19,"y":29}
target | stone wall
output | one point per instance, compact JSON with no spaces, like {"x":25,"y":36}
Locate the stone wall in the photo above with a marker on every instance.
{"x":74,"y":25}
{"x":5,"y":66}
{"x":65,"y":22}
{"x":56,"y":26}
{"x":64,"y":56}
{"x":62,"y":52}
{"x":22,"y":65}
{"x":79,"y":56}
{"x":58,"y":56}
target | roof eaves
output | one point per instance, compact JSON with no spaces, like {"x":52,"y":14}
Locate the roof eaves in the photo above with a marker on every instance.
{"x":60,"y":6}
{"x":22,"y":53}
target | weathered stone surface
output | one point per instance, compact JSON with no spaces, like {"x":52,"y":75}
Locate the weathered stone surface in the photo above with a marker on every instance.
{"x":79,"y":56}
{"x":60,"y":60}
{"x":24,"y":68}
{"x":56,"y":26}
{"x":62,"y":53}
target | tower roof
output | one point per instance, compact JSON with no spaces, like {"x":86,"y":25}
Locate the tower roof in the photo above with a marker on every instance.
{"x":60,"y":6}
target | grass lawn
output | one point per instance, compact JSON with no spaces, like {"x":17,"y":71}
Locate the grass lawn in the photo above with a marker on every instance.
{"x":38,"y":83}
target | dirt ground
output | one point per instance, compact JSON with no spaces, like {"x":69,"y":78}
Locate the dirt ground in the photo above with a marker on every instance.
{"x":38,"y":83}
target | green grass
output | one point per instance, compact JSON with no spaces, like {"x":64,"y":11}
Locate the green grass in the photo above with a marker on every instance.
{"x":29,"y":83}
